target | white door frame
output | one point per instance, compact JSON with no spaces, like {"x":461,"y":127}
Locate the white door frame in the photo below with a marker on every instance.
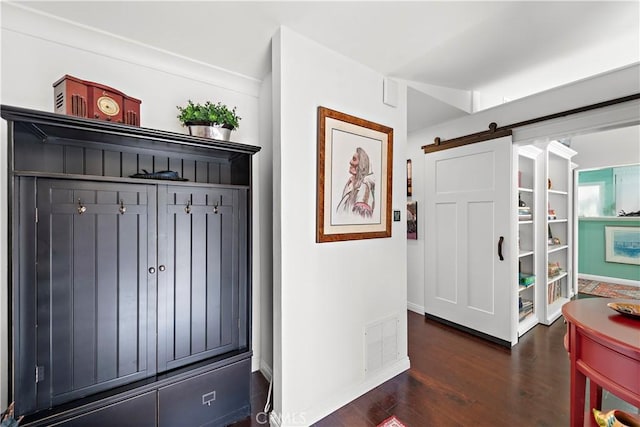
{"x":606,"y":118}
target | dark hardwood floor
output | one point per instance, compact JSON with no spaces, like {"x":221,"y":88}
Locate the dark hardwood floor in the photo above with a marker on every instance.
{"x":457,"y":379}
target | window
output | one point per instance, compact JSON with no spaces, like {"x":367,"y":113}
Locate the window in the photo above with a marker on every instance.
{"x":590,"y":199}
{"x":608,"y":191}
{"x":627,"y":185}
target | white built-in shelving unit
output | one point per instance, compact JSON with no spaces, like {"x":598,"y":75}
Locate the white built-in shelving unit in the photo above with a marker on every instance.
{"x":556,"y":234}
{"x":527,"y":160}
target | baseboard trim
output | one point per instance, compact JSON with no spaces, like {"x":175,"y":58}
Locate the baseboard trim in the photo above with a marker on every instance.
{"x":266,"y":370}
{"x":606,"y":279}
{"x":339,"y":399}
{"x":415,"y":308}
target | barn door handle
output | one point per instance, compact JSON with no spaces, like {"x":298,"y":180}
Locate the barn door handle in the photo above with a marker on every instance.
{"x":81,"y":208}
{"x":122,"y":209}
{"x":500,"y":248}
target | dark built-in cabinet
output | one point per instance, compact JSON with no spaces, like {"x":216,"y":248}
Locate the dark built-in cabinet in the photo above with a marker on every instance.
{"x":129,"y":297}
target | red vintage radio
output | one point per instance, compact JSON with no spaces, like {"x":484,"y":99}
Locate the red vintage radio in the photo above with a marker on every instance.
{"x":83,"y":98}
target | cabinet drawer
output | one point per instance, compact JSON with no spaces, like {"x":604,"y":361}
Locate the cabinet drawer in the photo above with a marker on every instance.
{"x":214,"y":398}
{"x":139,"y":411}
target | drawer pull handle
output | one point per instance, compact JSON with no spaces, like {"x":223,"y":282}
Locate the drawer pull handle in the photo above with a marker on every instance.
{"x":208,"y":398}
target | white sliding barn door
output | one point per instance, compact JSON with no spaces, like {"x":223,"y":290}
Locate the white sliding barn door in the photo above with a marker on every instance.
{"x":468,"y":209}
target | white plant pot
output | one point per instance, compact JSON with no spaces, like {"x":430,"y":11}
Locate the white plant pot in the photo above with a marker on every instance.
{"x":213,"y":132}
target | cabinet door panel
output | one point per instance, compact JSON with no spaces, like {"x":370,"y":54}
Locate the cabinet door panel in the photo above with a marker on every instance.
{"x":198,"y":291}
{"x":23,"y":295}
{"x":94,"y":296}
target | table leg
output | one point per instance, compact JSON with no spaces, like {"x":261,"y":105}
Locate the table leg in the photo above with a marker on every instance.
{"x":595,"y":400}
{"x":578,"y":389}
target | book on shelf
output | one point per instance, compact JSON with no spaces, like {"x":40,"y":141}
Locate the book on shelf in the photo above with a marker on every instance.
{"x":524,"y":313}
{"x":525,"y":309}
{"x":525,"y":279}
{"x":524,"y":213}
{"x":554,"y":291}
{"x":525,"y":304}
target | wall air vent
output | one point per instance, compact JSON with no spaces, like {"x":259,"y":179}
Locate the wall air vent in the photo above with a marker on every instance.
{"x":381,"y":344}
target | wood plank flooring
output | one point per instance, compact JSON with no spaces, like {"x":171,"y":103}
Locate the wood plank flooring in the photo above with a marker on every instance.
{"x":457,"y":379}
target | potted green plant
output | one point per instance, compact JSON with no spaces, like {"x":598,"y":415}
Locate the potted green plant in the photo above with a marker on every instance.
{"x":209,"y":120}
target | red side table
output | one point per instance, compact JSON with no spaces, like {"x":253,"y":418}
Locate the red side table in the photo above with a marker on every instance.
{"x":604,"y":346}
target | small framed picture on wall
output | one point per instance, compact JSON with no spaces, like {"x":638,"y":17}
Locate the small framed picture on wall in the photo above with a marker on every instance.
{"x":412,"y":220}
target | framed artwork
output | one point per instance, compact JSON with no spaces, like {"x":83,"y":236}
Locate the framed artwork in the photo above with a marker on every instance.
{"x":354,"y":178}
{"x":622,"y":244}
{"x":412,"y":220}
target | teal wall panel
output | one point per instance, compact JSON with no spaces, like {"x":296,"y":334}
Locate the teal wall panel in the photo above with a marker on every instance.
{"x":591,"y":250}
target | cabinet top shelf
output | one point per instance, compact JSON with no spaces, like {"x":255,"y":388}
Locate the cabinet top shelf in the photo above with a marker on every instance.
{"x":555,"y":248}
{"x":561,"y":192}
{"x":557,"y":277}
{"x":51,"y":125}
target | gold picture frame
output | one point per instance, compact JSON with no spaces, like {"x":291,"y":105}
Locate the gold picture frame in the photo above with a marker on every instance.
{"x":354,"y":178}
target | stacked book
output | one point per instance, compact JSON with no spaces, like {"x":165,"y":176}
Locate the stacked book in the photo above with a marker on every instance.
{"x":526,"y":308}
{"x":526,"y":280}
{"x":524,"y":213}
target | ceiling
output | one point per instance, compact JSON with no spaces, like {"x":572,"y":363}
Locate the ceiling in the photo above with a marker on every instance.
{"x":501,"y":50}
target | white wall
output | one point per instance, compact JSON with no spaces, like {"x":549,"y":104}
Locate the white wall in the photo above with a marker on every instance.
{"x":415,"y":248}
{"x":608,"y":86}
{"x":264,"y":185}
{"x":618,"y":50}
{"x":325,"y":293}
{"x":37,"y":50}
{"x":615,"y":147}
